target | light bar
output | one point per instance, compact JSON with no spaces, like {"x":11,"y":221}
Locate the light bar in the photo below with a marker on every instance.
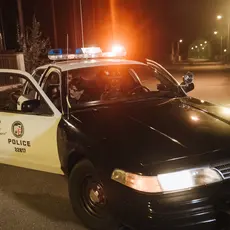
{"x":86,"y":53}
{"x":89,"y":50}
{"x":60,"y":54}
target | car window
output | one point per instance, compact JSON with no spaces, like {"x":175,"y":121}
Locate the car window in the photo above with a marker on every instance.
{"x":28,"y":90}
{"x":12,"y":96}
{"x":113,"y":82}
{"x":51,"y":87}
{"x":37,"y":74}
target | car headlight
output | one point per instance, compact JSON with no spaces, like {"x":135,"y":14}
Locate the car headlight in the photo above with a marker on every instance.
{"x":170,"y":182}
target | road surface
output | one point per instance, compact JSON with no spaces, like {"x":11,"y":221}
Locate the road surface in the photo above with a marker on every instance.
{"x":210,"y":84}
{"x":37,"y":200}
{"x":32,"y":200}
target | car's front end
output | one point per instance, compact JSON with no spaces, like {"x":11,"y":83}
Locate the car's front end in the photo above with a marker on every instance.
{"x":168,"y":171}
{"x":189,"y":199}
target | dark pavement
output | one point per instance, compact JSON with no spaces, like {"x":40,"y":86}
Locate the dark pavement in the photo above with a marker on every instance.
{"x":36,"y":200}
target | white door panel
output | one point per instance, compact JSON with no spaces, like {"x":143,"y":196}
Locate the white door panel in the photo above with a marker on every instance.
{"x":28,"y":140}
{"x":36,"y":148}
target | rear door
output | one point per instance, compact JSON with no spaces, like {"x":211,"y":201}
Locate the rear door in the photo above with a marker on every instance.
{"x":27,"y":139}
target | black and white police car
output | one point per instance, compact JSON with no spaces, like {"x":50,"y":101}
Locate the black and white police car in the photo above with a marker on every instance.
{"x":137,"y":151}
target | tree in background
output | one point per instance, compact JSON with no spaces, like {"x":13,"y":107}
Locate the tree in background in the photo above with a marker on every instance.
{"x":34,"y":46}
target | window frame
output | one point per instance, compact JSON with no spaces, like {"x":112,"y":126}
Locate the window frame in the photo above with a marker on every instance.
{"x":45,"y":77}
{"x":28,"y":80}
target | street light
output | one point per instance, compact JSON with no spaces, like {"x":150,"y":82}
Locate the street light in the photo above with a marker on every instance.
{"x":205,"y":42}
{"x":220,"y":17}
{"x":221,"y":43}
{"x":196,"y":47}
{"x":178,"y":48}
{"x":192,"y":48}
{"x":201,"y":44}
{"x":202,"y":48}
{"x":225,"y":50}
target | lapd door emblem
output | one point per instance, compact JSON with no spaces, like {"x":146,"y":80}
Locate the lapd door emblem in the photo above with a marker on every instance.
{"x":17,"y":129}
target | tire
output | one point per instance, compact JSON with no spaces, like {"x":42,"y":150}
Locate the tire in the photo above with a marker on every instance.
{"x":94,"y":215}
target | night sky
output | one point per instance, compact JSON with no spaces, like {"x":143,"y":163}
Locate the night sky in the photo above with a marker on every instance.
{"x":146,"y":27}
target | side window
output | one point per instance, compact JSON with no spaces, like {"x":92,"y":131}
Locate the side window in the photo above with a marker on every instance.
{"x":37,"y":74}
{"x":147,"y":77}
{"x":52,"y":88}
{"x":28,"y":90}
{"x":12,"y":98}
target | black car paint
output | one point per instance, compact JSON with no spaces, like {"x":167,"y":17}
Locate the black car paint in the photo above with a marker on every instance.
{"x":148,"y":138}
{"x":157,"y":130}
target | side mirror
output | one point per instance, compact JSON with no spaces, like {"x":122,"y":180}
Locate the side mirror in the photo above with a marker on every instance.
{"x":30,"y":105}
{"x":188,"y":78}
{"x":187,"y":83}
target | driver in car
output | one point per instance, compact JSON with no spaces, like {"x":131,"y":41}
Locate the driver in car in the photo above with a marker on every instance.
{"x":112,"y":89}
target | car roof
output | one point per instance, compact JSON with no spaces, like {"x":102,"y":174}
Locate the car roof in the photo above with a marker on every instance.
{"x":77,"y":64}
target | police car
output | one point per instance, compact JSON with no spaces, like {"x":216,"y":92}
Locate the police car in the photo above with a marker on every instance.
{"x":137,"y":151}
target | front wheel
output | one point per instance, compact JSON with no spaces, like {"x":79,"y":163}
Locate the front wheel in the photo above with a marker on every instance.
{"x":88,"y":197}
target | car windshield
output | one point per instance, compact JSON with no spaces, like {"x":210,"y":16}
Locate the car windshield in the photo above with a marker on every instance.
{"x":118,"y":83}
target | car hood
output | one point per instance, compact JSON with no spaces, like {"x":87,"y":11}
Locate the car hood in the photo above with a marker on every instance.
{"x":159,"y":130}
{"x":199,"y":127}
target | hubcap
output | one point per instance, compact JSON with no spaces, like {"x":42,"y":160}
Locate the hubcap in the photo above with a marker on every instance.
{"x":96,"y":195}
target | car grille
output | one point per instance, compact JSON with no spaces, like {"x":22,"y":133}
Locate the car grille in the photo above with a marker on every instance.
{"x":224,"y":169}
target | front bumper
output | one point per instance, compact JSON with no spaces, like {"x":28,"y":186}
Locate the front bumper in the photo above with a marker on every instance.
{"x":206,"y":207}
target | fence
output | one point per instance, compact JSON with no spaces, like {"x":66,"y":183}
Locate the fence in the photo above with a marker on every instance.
{"x":11,"y":61}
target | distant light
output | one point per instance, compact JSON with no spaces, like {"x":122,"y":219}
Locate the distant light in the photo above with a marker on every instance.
{"x":205,"y":42}
{"x":181,"y":41}
{"x":225,"y":50}
{"x":201,"y":44}
{"x":202,"y":48}
{"x":196,"y":47}
{"x":192,"y":48}
{"x":215,"y":32}
{"x":195,"y":118}
{"x":202,"y":101}
{"x":219,"y":17}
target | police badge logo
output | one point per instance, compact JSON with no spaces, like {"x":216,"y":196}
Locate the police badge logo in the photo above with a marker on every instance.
{"x":17,"y":129}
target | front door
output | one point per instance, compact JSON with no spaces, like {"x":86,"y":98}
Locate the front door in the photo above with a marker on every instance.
{"x":27,"y":138}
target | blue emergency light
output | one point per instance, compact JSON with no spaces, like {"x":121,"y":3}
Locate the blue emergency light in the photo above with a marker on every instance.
{"x":86,"y":53}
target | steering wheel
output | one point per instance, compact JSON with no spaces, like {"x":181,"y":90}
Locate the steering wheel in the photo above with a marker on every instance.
{"x":144,"y":88}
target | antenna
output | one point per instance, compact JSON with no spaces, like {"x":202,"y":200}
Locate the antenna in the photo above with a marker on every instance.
{"x":82,"y":32}
{"x":67,"y":83}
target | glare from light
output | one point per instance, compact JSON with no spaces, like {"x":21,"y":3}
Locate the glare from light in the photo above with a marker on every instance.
{"x":219,"y":17}
{"x":205,"y":42}
{"x":226,"y":111}
{"x":202,"y":101}
{"x":192,"y":48}
{"x":181,"y":41}
{"x":201,"y":44}
{"x":202,"y":48}
{"x":225,"y":50}
{"x":91,"y":50}
{"x":176,"y":181}
{"x":215,"y":32}
{"x":196,"y":47}
{"x":117,"y":49}
{"x":194,"y":118}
